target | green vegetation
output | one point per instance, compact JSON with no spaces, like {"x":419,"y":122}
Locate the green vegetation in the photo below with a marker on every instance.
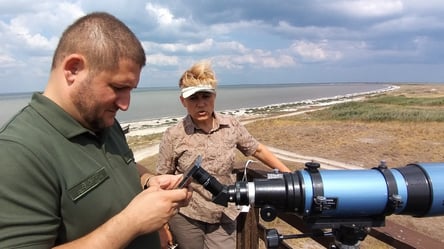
{"x":386,"y":108}
{"x":407,"y":101}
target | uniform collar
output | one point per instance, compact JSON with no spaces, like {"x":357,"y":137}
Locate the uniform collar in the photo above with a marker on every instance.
{"x":56,"y":116}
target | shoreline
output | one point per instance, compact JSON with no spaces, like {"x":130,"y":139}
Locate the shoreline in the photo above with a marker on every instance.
{"x":140,"y":129}
{"x":159,"y":125}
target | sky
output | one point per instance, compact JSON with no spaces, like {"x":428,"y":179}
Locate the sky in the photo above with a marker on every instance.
{"x":247,"y":41}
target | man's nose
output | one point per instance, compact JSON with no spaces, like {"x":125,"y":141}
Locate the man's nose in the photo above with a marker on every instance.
{"x":123,"y":101}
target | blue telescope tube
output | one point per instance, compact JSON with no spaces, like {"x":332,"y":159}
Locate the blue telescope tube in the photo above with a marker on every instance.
{"x":415,"y":189}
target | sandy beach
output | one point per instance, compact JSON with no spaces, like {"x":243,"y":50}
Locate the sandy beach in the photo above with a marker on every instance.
{"x":155,"y":126}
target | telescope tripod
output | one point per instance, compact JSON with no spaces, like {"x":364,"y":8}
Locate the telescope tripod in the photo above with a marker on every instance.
{"x":346,"y":236}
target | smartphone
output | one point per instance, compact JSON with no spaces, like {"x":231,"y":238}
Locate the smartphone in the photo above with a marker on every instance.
{"x":188,"y":174}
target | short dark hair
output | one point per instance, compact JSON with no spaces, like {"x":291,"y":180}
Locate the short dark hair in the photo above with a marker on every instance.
{"x":103,"y":39}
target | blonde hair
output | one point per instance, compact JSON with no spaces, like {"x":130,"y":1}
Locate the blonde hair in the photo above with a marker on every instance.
{"x":200,"y":73}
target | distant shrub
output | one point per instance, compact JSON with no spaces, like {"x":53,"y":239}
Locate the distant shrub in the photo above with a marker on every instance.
{"x":406,"y":101}
{"x":386,"y":108}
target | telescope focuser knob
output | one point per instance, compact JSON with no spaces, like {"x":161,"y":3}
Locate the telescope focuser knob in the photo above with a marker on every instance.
{"x":268,"y":213}
{"x":312,"y":166}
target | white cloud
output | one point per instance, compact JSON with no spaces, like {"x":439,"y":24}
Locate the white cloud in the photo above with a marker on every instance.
{"x":162,"y":60}
{"x":206,"y":45}
{"x":20,"y":31}
{"x":424,"y":7}
{"x":163,"y":15}
{"x":410,"y":23}
{"x":7,"y":61}
{"x":315,"y":52}
{"x":232,"y":46}
{"x":230,"y":27}
{"x":203,"y":46}
{"x":256,"y":59}
{"x":37,"y":33}
{"x":367,"y":8}
{"x":277,"y":62}
{"x":246,"y":37}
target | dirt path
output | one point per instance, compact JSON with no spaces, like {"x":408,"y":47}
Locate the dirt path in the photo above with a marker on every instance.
{"x":148,"y":151}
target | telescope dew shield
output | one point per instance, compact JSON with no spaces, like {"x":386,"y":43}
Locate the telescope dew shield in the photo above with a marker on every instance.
{"x":423,"y":189}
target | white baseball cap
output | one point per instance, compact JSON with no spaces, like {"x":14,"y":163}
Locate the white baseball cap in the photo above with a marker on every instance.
{"x":188,"y":91}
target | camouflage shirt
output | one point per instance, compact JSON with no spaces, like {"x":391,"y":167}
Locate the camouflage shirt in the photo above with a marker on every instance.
{"x":182,"y":143}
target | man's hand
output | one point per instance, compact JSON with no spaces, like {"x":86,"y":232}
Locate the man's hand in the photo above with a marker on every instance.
{"x":165,"y":181}
{"x":153,"y":207}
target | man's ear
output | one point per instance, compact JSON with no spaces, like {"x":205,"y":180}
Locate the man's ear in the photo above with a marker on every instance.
{"x":73,"y":64}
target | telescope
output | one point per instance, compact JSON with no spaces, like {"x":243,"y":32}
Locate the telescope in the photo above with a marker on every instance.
{"x":336,"y":199}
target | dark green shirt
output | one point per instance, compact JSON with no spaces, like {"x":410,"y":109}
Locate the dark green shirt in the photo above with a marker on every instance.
{"x":59,"y":181}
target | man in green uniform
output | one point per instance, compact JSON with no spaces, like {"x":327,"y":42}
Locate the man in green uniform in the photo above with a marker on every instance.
{"x":67,"y":176}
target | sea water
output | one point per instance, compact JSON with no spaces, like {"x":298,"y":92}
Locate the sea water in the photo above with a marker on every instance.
{"x":154,"y":103}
